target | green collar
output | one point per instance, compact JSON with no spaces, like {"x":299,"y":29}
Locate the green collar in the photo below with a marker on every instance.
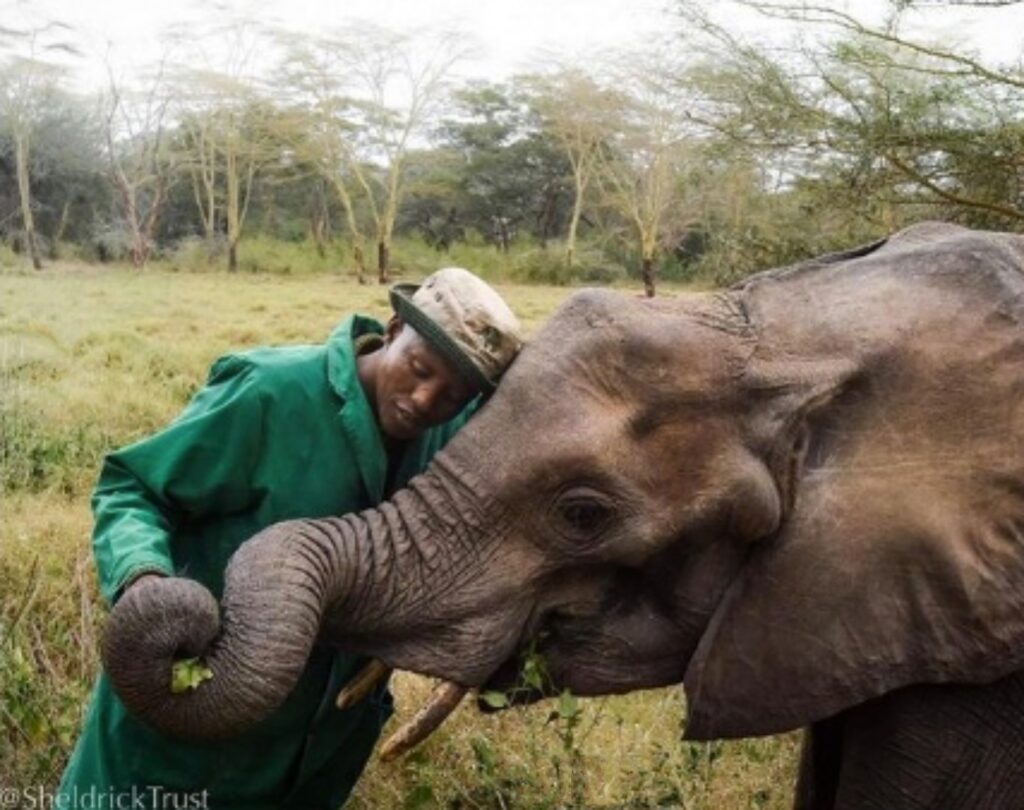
{"x":357,"y":417}
{"x":341,"y":356}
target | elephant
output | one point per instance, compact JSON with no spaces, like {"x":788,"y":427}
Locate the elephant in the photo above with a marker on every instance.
{"x":801,"y":497}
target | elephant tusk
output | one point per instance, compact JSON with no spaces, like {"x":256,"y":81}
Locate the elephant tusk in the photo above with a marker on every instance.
{"x":442,"y":702}
{"x":362,"y":684}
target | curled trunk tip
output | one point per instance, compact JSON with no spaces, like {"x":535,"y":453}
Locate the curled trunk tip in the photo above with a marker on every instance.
{"x":251,"y":650}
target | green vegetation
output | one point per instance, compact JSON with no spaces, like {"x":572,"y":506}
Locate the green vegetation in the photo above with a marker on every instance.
{"x":91,"y":359}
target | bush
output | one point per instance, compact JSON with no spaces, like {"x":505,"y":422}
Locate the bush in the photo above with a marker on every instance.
{"x":414,"y":258}
{"x":260,"y":254}
{"x":8,"y":258}
{"x":195,"y":254}
{"x":111,"y":243}
{"x":547,"y":266}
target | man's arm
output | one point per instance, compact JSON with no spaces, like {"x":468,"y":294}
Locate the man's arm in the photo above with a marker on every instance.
{"x":200,"y":465}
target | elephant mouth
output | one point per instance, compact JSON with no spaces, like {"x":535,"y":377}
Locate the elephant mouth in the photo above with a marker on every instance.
{"x":448,"y":694}
{"x":522,"y":666}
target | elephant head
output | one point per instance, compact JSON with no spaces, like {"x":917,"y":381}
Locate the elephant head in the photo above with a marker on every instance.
{"x":792,"y":496}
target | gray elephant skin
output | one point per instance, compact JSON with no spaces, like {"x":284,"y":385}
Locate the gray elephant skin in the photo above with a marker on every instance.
{"x":802,"y":497}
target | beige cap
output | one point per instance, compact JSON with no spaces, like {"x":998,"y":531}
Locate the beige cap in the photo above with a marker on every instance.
{"x":465,"y":320}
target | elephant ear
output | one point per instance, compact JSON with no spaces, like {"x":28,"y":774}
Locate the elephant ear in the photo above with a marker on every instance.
{"x":901,"y":559}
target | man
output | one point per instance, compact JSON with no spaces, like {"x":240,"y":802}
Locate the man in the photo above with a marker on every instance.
{"x":280,"y":433}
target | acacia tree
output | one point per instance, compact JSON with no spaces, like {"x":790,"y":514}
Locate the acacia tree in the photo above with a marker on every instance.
{"x":321,"y":132}
{"x":580,"y":114}
{"x":898,"y":121}
{"x":646,"y":174}
{"x":29,"y":79}
{"x":198,"y":157}
{"x":223,"y":111}
{"x":383,"y":89}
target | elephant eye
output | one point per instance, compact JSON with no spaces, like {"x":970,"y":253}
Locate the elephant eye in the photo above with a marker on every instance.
{"x":585,"y":512}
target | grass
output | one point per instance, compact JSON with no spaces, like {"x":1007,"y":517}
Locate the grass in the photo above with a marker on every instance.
{"x":94,"y":358}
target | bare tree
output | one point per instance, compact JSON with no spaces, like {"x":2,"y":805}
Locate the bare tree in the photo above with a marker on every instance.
{"x":141,"y":165}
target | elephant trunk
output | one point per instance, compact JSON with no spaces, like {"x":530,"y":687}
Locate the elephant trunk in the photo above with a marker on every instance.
{"x":378,"y":582}
{"x":251,"y":649}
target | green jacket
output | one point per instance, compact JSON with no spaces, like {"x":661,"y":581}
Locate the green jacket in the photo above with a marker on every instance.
{"x":276,"y":433}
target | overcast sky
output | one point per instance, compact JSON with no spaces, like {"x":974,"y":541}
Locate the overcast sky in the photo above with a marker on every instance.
{"x":510,"y":34}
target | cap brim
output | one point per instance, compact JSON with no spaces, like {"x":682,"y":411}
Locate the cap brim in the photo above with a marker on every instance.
{"x":437,"y":337}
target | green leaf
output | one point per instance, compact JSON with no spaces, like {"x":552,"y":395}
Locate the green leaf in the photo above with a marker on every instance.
{"x":496,"y":700}
{"x":568,"y":707}
{"x":187,"y":674}
{"x":534,"y":671}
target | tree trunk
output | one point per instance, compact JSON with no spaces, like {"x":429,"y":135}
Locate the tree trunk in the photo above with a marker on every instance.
{"x":33,"y":248}
{"x":570,"y":240}
{"x":62,"y":224}
{"x":546,"y":219}
{"x":353,"y":228}
{"x":383,"y":261}
{"x":25,"y":198}
{"x":320,"y":221}
{"x":232,"y":208}
{"x":138,"y":252}
{"x":647,"y":273}
{"x":147,"y":228}
{"x":316,"y":228}
{"x":359,"y":257}
{"x":502,"y":234}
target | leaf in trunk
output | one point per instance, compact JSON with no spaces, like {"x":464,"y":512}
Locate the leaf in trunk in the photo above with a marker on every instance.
{"x":187,"y":674}
{"x":496,"y":700}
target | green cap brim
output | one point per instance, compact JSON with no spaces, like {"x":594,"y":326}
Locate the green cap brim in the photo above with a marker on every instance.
{"x":438,"y":339}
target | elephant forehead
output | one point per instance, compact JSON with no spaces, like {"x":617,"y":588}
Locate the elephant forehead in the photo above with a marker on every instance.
{"x":616,"y":342}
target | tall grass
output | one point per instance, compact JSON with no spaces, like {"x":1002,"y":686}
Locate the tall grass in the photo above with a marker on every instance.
{"x":91,"y":359}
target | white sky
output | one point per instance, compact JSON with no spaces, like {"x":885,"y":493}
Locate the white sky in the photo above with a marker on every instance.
{"x":510,"y":34}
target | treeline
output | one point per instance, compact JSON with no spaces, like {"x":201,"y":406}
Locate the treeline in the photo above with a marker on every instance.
{"x":702,"y":154}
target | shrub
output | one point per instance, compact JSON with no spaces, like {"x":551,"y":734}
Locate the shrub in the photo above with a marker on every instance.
{"x":547,"y":266}
{"x":8,"y":258}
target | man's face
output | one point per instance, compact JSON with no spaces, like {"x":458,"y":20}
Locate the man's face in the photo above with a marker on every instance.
{"x":415,"y":387}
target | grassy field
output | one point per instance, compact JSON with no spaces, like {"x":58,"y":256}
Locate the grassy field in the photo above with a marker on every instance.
{"x":91,"y":359}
